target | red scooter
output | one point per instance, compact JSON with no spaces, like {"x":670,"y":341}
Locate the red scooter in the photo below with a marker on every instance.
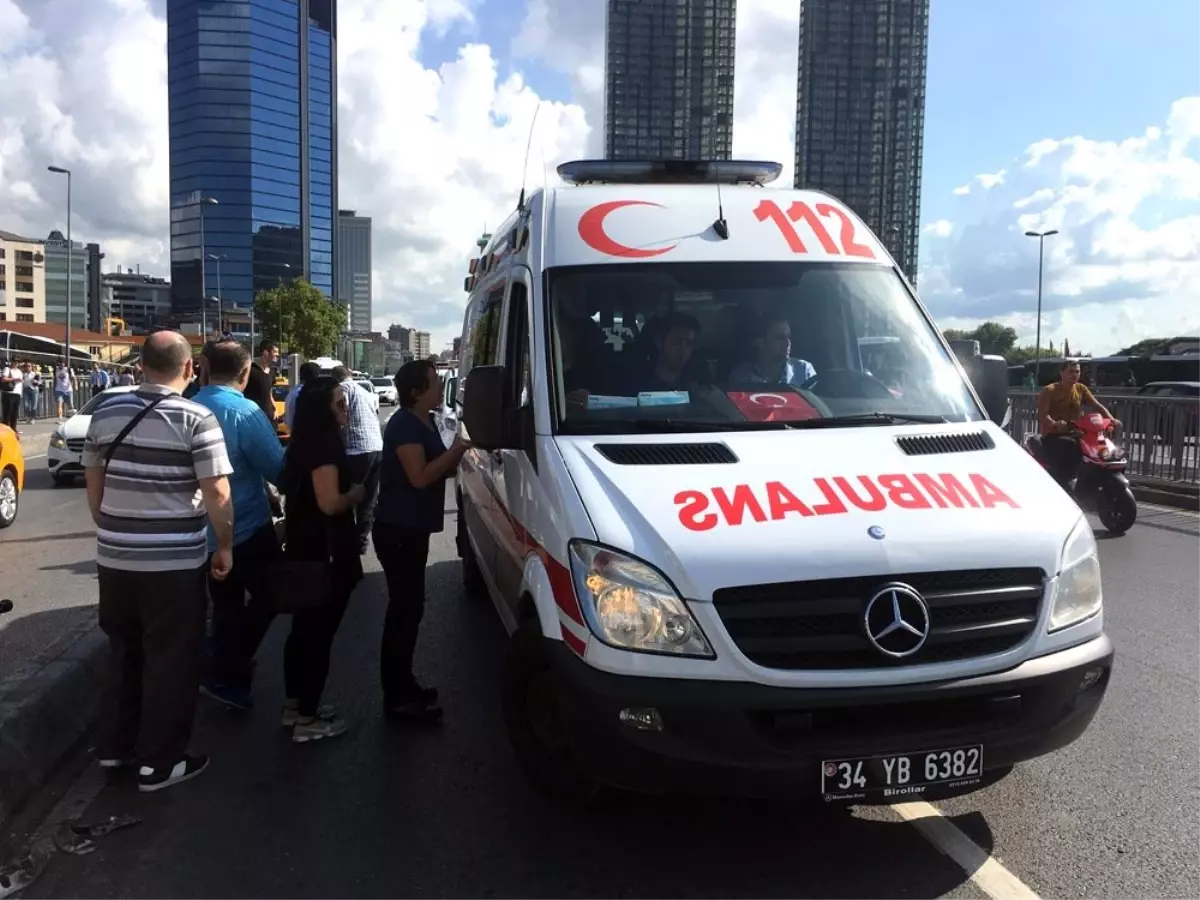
{"x":1101,"y":485}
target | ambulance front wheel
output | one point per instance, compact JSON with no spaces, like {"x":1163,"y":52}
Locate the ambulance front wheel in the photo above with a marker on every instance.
{"x":533,"y":717}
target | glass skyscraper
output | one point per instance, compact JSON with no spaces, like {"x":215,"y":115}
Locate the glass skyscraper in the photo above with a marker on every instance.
{"x":860,"y":112}
{"x":252,"y":90}
{"x":668,"y":79}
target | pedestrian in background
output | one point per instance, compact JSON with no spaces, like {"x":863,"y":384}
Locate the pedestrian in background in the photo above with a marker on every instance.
{"x":31,"y":391}
{"x":308,"y":373}
{"x":64,"y":386}
{"x":10,"y":395}
{"x":364,"y":443}
{"x":262,"y":381}
{"x":412,"y":495}
{"x":239,"y":625}
{"x":156,"y":466}
{"x":320,"y":498}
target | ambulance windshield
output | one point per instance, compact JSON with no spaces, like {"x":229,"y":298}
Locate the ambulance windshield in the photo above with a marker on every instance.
{"x":669,"y":346}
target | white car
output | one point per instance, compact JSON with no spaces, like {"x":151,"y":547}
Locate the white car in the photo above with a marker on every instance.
{"x":386,"y":389}
{"x":66,"y":444}
{"x":370,"y":391}
{"x":446,"y":415}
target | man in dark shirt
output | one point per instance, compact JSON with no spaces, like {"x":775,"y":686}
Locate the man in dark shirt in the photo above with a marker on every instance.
{"x":673,"y":348}
{"x":258,"y":388}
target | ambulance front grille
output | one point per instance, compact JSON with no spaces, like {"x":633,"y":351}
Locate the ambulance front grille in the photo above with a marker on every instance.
{"x":820,"y":624}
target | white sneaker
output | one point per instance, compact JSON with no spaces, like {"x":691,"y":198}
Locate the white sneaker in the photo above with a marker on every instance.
{"x":318,"y":729}
{"x":291,"y":713}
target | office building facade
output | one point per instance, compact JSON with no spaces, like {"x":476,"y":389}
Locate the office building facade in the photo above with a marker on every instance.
{"x":353,"y":286}
{"x":57,"y":261}
{"x":860,"y":112}
{"x":140,"y":302}
{"x":668,"y":79}
{"x":95,"y":291}
{"x":252,"y":92}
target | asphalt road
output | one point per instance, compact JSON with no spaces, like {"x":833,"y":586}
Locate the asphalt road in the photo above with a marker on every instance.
{"x":393,"y":811}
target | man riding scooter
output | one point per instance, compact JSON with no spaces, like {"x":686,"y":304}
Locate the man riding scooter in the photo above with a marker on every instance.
{"x":1058,"y":406}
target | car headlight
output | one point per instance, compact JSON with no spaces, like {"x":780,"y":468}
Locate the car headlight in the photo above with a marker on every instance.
{"x":57,"y":441}
{"x":628,"y":604}
{"x":1077,"y":593}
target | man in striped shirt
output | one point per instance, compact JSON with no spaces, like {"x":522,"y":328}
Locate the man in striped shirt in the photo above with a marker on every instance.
{"x":156,"y":469}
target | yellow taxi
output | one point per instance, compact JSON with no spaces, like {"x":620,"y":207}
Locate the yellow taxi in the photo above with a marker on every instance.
{"x":12,"y":475}
{"x":279,"y":392}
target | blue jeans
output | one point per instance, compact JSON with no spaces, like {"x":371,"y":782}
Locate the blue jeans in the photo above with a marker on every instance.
{"x":29,"y":400}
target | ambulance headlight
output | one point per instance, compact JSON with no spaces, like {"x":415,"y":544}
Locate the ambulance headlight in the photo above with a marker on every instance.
{"x":1077,"y":593}
{"x":628,"y":604}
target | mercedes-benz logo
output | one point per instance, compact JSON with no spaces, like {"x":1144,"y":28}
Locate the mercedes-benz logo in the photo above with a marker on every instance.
{"x":896,"y":621}
{"x":877,"y":532}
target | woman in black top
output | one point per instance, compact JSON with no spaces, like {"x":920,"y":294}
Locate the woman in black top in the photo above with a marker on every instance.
{"x":319,"y":524}
{"x":412,"y":493}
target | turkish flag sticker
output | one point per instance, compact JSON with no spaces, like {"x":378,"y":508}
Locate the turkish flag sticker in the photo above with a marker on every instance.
{"x":766,"y":406}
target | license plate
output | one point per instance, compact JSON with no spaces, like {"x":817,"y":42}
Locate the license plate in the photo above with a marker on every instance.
{"x":900,"y":775}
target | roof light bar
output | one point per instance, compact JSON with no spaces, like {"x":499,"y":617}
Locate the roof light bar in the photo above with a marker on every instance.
{"x":669,"y":171}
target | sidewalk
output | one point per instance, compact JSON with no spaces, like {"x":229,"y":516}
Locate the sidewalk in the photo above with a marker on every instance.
{"x":35,"y":438}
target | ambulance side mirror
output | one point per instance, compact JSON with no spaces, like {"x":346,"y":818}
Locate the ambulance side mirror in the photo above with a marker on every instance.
{"x":487,"y":415}
{"x":989,"y":376}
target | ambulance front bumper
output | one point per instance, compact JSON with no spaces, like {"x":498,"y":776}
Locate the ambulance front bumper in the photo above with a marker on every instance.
{"x":663,"y":735}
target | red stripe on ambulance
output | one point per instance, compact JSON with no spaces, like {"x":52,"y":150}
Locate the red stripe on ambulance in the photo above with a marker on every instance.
{"x":701,"y":510}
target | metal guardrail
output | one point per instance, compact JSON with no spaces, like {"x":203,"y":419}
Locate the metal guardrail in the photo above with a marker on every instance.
{"x":1160,"y":434}
{"x":47,"y":404}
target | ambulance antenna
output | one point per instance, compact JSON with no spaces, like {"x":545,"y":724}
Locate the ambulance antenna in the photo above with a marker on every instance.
{"x":528,"y":145}
{"x":721,"y":227}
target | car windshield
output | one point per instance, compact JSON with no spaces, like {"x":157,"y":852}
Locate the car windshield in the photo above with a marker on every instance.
{"x":658,"y":347}
{"x":280,"y":391}
{"x":92,"y":405}
{"x":381,"y":382}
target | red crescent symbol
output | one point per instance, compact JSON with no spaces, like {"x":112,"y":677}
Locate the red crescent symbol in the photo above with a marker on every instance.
{"x":782,"y":400}
{"x":591,"y":230}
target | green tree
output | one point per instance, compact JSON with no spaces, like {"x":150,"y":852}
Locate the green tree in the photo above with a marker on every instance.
{"x":300,"y":318}
{"x":994,"y":339}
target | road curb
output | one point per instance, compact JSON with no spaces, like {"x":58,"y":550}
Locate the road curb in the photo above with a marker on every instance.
{"x":1166,"y":496}
{"x":47,"y":708}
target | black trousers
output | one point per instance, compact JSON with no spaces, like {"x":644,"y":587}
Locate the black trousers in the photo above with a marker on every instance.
{"x":10,"y":408}
{"x":1062,"y":457}
{"x":403,"y":553}
{"x":310,"y":643}
{"x":242,"y":608}
{"x":155,"y":627}
{"x":363,"y":469}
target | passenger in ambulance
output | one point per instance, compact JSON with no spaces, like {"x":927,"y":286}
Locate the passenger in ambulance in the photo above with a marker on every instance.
{"x":669,"y":368}
{"x":583,"y":371}
{"x":773,"y":362}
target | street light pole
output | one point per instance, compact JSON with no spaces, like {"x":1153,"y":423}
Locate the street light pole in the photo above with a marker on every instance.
{"x":287,"y":266}
{"x":1037,"y":349}
{"x":217,"y":257}
{"x":204,"y":201}
{"x":58,"y":170}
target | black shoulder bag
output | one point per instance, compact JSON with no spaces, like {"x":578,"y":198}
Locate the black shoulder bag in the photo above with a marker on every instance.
{"x":299,"y":586}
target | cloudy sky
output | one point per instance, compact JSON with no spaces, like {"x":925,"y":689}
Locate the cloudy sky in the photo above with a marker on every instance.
{"x":1080,"y":115}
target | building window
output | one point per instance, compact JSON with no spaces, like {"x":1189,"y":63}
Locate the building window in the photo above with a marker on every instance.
{"x":25,"y":303}
{"x":24,"y":317}
{"x":25,"y":287}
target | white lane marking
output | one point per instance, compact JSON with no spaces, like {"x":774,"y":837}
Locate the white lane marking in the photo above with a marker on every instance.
{"x":36,"y":456}
{"x":983,"y":869}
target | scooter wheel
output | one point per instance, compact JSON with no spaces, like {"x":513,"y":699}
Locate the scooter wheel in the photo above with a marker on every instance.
{"x":1117,"y":510}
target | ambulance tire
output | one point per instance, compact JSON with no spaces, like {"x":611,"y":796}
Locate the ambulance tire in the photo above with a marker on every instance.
{"x":530,"y":703}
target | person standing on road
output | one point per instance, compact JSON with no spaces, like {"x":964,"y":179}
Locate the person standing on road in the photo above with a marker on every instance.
{"x":412,"y":492}
{"x":31,"y":391}
{"x":364,"y":443}
{"x":10,"y":395}
{"x":261,"y":381}
{"x":319,"y":526}
{"x":309,"y":372}
{"x":257,"y":458}
{"x":156,"y":465}
{"x":64,"y":383}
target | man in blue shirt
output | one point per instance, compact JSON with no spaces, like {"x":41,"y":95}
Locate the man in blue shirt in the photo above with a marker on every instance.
{"x":773,"y":363}
{"x":257,"y":458}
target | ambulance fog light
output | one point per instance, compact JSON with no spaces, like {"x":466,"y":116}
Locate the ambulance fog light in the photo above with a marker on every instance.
{"x":630,"y":605}
{"x":1091,"y":678}
{"x":641,"y":719}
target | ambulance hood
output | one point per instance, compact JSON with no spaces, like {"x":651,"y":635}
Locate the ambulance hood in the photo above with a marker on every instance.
{"x":802,"y":505}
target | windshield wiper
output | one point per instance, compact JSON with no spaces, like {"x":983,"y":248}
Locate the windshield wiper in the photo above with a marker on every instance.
{"x":700,"y":425}
{"x":871,"y":418}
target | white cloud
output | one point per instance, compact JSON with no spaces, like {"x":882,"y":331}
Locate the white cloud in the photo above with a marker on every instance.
{"x":435,"y":154}
{"x":1125,"y":263}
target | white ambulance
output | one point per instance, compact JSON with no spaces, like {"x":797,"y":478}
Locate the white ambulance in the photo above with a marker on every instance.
{"x":731,"y":556}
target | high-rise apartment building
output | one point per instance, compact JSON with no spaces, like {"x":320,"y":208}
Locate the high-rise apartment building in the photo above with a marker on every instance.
{"x":668,"y":79}
{"x":860,"y":112}
{"x":140,"y":301}
{"x":252,"y":91}
{"x":353,"y":287}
